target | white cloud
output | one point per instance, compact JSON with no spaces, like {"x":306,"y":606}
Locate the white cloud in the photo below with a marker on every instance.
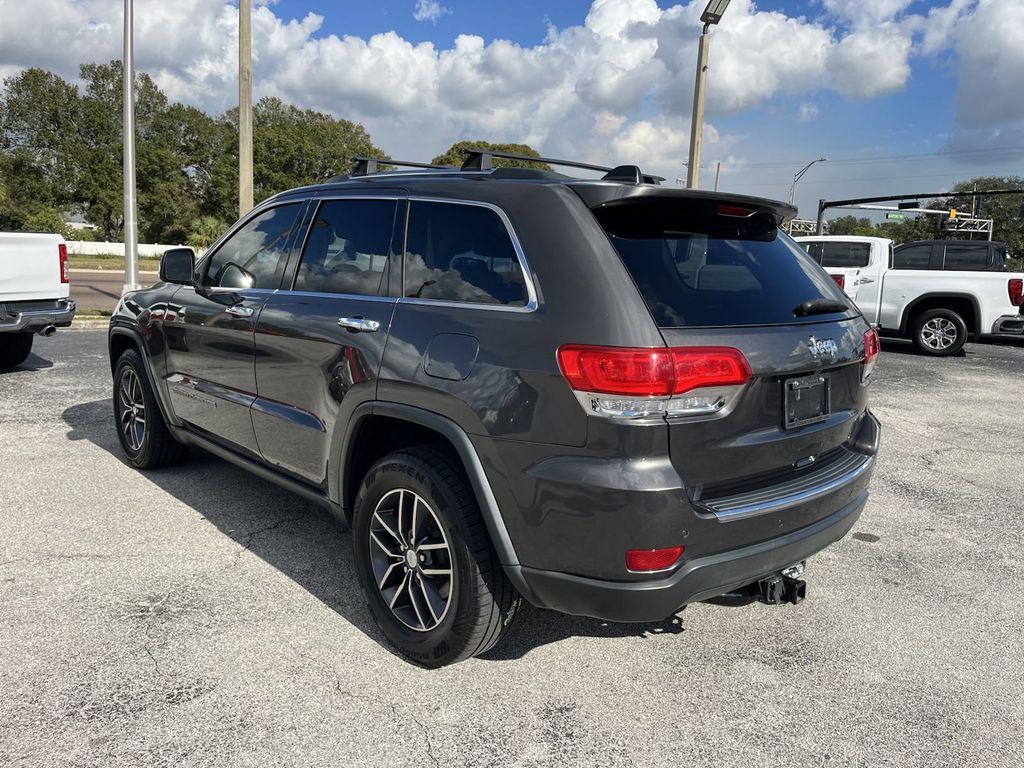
{"x":620,"y":82}
{"x":808,"y":112}
{"x":429,"y":10}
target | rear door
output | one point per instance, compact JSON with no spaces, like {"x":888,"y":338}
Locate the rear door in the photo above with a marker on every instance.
{"x":713,"y":280}
{"x":320,"y":339}
{"x":210,"y":352}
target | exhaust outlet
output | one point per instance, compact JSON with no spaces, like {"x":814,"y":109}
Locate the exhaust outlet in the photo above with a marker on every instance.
{"x":48,"y":330}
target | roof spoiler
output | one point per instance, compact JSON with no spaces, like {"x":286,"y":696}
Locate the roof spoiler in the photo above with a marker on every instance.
{"x":478,"y":159}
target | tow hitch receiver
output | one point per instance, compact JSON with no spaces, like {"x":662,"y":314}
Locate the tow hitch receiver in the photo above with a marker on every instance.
{"x":778,"y":589}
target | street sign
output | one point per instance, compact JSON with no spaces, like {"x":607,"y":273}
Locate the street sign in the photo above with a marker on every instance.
{"x":896,"y":216}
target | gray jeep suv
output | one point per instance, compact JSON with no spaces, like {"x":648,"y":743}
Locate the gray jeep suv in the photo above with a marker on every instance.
{"x":605,"y":397}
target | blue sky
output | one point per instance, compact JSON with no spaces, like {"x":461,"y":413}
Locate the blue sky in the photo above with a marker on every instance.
{"x":900,"y":95}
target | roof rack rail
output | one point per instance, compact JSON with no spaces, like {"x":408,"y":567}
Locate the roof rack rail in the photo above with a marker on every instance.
{"x":482,"y":160}
{"x":368,"y":165}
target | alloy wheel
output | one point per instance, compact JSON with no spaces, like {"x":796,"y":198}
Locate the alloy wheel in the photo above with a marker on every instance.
{"x":131,"y":409}
{"x":411,"y":560}
{"x":939,"y":333}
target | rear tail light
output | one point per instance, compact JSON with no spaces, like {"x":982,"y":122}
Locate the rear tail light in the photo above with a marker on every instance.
{"x":647,"y":560}
{"x":872,"y":346}
{"x":736,"y":210}
{"x":840,"y":281}
{"x":62,"y":252}
{"x":650,"y":382}
{"x":1015,"y":286}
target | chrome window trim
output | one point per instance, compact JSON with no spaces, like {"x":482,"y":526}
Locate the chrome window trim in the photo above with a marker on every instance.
{"x":352,"y":296}
{"x":531,"y":291}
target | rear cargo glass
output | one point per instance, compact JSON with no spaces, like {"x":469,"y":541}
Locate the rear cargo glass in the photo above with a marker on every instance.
{"x":695,"y":268}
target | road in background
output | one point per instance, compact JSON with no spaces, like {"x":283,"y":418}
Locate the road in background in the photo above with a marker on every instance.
{"x":201,"y":616}
{"x":99,"y":289}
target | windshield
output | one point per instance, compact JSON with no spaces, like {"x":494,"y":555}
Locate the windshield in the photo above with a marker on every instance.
{"x":709,"y":271}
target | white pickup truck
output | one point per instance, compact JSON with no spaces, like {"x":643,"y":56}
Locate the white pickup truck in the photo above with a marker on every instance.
{"x":916,"y":294}
{"x":34,"y":292}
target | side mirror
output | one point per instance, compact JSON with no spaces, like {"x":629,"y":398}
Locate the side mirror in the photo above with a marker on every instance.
{"x":177,"y":265}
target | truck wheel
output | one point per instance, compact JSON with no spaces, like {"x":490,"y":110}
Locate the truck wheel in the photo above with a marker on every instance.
{"x":14,"y":349}
{"x":428,"y":571}
{"x":145,"y":439}
{"x":940,"y":332}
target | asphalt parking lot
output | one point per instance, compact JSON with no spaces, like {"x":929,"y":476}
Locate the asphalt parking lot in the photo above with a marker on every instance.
{"x":201,"y":616}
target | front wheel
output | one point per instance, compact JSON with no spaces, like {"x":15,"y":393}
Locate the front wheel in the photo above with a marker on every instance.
{"x":145,"y":439}
{"x":940,"y":332}
{"x":14,"y":349}
{"x":428,"y":571}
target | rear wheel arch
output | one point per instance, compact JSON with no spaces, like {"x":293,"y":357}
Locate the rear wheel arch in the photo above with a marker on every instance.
{"x":378,"y":429}
{"x":963,"y":304}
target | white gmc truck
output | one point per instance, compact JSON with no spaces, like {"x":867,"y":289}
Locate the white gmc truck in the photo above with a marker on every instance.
{"x":34,"y":292}
{"x":936,"y":293}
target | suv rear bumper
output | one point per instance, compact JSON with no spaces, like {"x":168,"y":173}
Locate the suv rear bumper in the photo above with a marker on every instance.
{"x":30,"y":316}
{"x":698,"y":579}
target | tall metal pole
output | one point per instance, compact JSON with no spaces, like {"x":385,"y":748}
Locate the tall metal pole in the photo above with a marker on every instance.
{"x":131,"y":224}
{"x":820,"y":228}
{"x":697,"y":122}
{"x":718,"y":173}
{"x":799,"y":175}
{"x":244,"y":107}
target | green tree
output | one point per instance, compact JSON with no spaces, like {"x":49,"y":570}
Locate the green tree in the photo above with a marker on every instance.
{"x":1004,"y":210}
{"x":455,"y":155}
{"x":47,"y":221}
{"x":850,"y":225}
{"x":205,"y":230}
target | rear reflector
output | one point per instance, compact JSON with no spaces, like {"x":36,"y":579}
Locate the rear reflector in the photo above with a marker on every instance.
{"x":840,"y":280}
{"x":736,"y":210}
{"x":872,"y":346}
{"x":645,"y":372}
{"x":62,"y":255}
{"x":1015,"y":286}
{"x":652,"y":559}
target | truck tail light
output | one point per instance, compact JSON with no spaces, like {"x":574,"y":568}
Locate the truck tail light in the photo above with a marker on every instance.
{"x":872,"y":346}
{"x":840,"y":280}
{"x":62,"y":254}
{"x":648,"y":560}
{"x":1015,"y":287}
{"x":641,"y":383}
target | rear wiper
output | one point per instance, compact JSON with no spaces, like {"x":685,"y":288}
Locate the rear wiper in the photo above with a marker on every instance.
{"x":820,"y":307}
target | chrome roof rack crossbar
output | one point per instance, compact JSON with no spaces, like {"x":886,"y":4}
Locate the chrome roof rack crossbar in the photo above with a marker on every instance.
{"x":482,"y":160}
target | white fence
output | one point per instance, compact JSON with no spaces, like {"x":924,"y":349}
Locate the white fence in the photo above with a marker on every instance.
{"x":91,"y":248}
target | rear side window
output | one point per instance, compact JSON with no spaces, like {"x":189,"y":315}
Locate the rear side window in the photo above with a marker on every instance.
{"x":912,"y":257}
{"x":348,"y":248}
{"x":459,"y":252}
{"x":695,"y":268}
{"x":845,"y":255}
{"x":967,"y":257}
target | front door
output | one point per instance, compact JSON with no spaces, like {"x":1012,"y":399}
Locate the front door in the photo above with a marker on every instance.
{"x":320,"y":340}
{"x":210,"y":367}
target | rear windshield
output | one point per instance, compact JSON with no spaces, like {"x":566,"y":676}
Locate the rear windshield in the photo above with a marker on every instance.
{"x":695,"y":268}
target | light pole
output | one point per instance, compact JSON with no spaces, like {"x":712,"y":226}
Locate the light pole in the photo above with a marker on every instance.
{"x":131,"y":223}
{"x":799,"y":175}
{"x":712,"y":15}
{"x":244,"y":107}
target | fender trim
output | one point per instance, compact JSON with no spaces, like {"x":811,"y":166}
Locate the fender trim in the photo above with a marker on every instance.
{"x":467,"y":453}
{"x":154,"y":385}
{"x":908,"y":309}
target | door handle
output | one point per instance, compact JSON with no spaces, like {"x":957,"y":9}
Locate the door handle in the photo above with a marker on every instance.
{"x":359,"y":324}
{"x":240,"y":311}
{"x":864,"y":280}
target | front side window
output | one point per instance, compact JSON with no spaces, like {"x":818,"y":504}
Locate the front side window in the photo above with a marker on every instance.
{"x":913,"y":257}
{"x":967,"y":257}
{"x":464,"y":253}
{"x":255,"y":255}
{"x":348,"y":248}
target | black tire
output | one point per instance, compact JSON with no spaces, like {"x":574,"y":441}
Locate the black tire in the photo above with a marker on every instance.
{"x":14,"y":349}
{"x":481,"y":602}
{"x":152,"y":446}
{"x":939,"y":332}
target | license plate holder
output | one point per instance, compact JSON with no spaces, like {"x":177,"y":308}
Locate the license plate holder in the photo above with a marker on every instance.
{"x":806,"y":400}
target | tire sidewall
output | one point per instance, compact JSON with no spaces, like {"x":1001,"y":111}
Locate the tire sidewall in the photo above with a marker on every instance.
{"x":445,"y":641}
{"x":139,"y":458}
{"x":948,"y":314}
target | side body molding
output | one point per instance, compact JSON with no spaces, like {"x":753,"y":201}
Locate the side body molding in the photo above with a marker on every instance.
{"x":463,"y":446}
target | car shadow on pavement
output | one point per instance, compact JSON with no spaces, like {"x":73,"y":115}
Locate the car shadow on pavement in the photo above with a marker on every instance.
{"x":311,"y":547}
{"x":33,"y":363}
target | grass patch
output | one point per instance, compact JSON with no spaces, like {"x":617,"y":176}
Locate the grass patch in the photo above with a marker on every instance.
{"x":146,"y":263}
